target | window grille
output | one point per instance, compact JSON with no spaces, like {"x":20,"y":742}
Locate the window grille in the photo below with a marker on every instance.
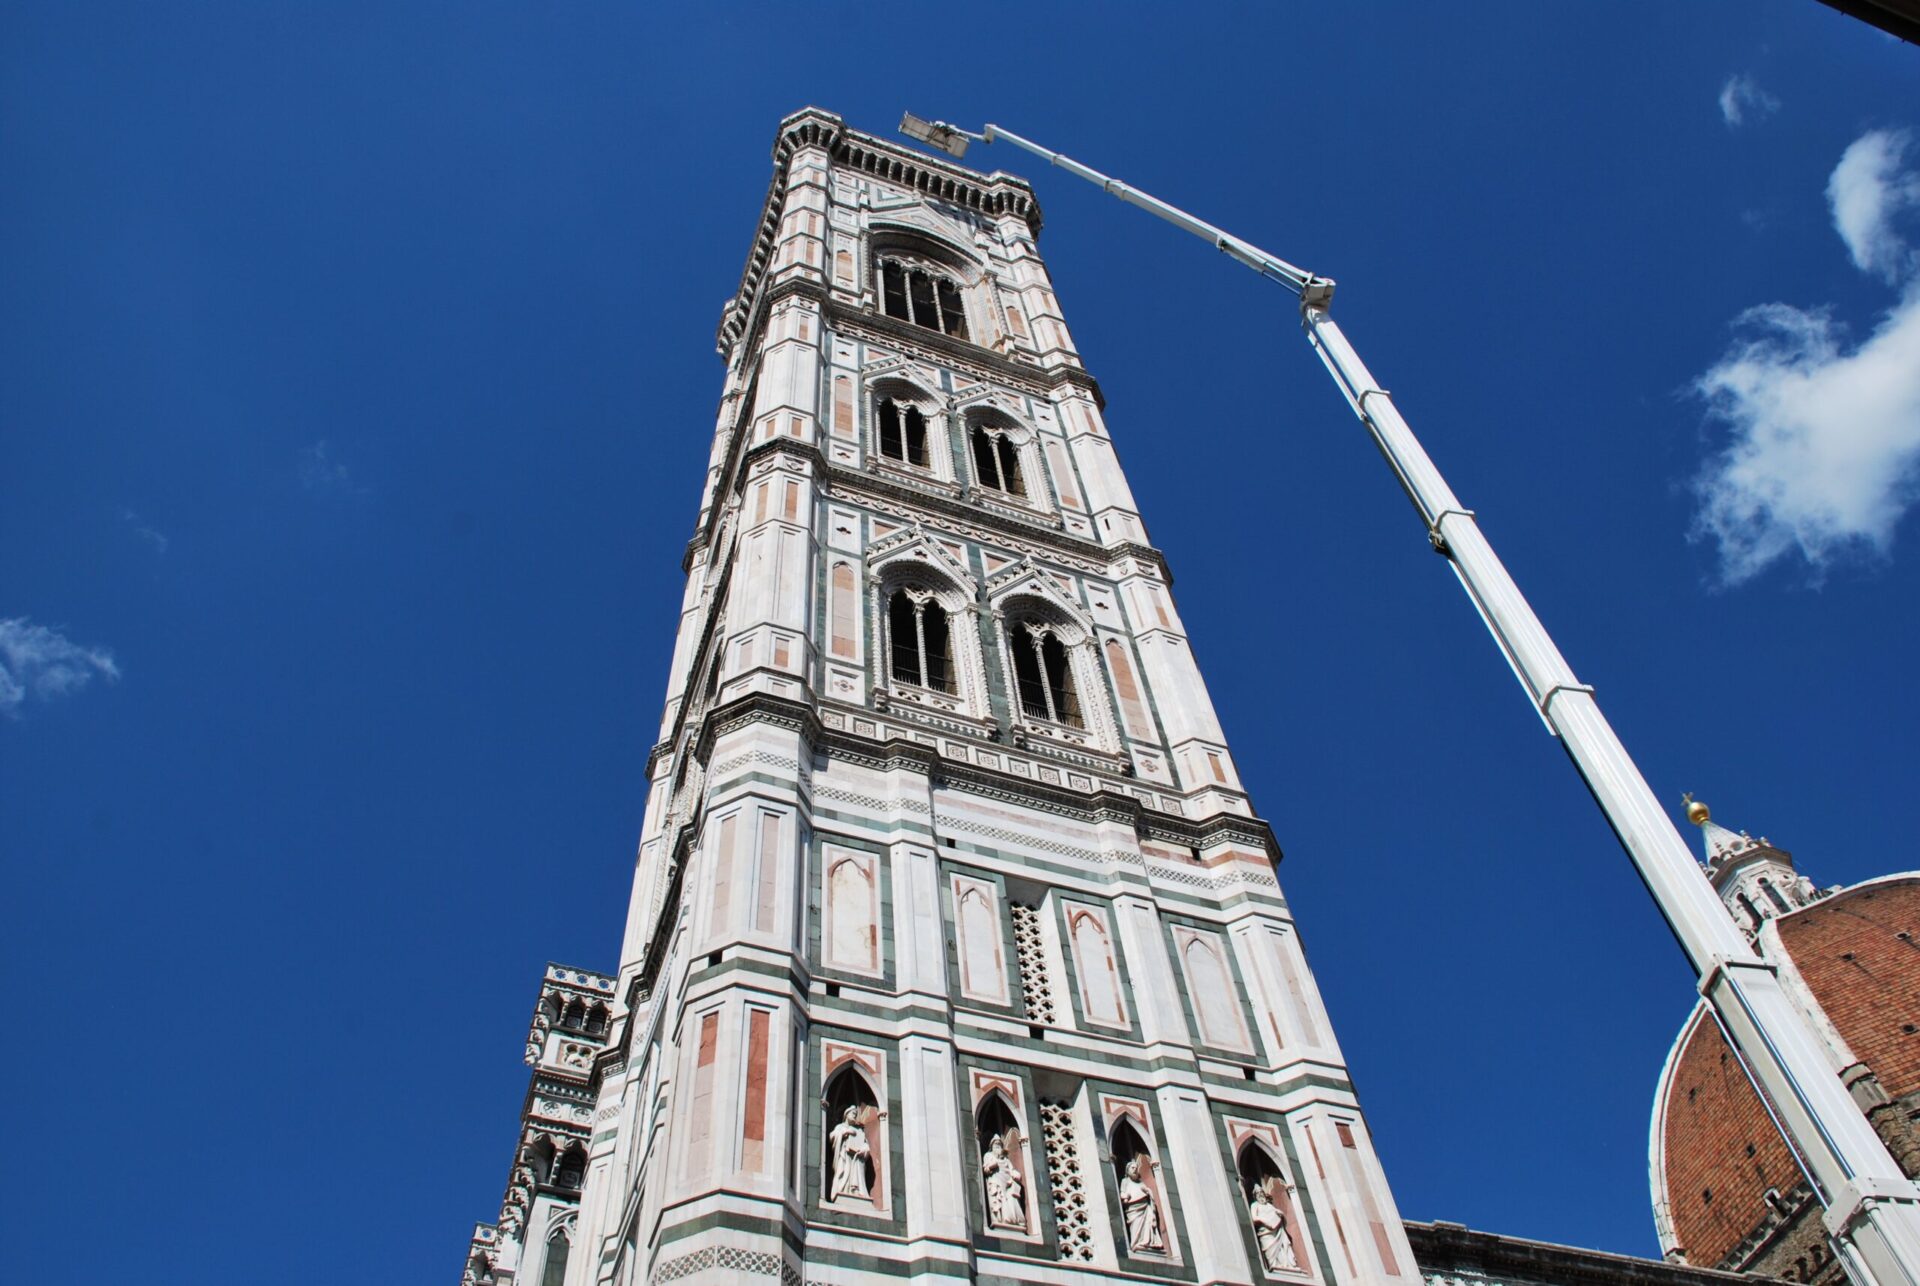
{"x":1030,"y":947}
{"x":1069,"y":1185}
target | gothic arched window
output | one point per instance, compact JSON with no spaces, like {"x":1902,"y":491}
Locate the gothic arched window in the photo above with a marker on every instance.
{"x":1773,"y":895}
{"x":996,"y":460}
{"x":902,"y":431}
{"x":558,"y":1250}
{"x":1043,"y":673}
{"x":925,"y":298}
{"x":919,"y":644}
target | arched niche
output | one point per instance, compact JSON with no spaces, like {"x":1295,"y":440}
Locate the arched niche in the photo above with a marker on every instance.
{"x":1006,"y":1180}
{"x":1142,"y":1204}
{"x":853,"y":1156}
{"x":1267,"y":1198}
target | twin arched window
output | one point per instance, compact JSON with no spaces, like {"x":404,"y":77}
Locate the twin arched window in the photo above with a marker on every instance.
{"x":920,"y":652}
{"x":1043,"y":673}
{"x":919,"y":642}
{"x":579,"y":1016}
{"x":914,"y":294}
{"x":903,"y":431}
{"x":996,"y":460}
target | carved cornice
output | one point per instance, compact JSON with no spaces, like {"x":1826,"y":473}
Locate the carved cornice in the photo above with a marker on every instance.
{"x":1103,"y":804}
{"x":957,"y":354}
{"x":968,"y":520}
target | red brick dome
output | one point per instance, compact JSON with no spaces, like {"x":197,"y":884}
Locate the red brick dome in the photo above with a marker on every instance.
{"x":1727,"y":1190}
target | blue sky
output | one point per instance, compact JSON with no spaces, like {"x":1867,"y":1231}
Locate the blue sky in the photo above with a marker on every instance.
{"x":356,"y":381}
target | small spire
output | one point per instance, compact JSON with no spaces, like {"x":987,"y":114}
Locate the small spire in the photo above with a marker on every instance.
{"x":1721,"y":843}
{"x":1697,"y":812}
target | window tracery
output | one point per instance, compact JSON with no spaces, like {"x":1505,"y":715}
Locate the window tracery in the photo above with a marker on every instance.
{"x":1043,"y":674}
{"x":996,"y":459}
{"x":922,"y":618}
{"x":915,"y":293}
{"x":919,"y":640}
{"x":901,"y":431}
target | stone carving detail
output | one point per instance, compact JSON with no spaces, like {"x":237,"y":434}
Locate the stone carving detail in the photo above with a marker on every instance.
{"x":1223,"y":881}
{"x":1031,"y":948}
{"x":1069,"y":1186}
{"x":1141,"y":1214}
{"x":1020,"y":837}
{"x":1006,"y":1194}
{"x":734,"y":1260}
{"x":869,"y":801}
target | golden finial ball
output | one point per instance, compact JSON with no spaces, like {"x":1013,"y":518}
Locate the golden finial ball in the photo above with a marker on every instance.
{"x":1696,"y":811}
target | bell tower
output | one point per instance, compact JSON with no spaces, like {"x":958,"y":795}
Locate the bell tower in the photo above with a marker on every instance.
{"x":955,"y":949}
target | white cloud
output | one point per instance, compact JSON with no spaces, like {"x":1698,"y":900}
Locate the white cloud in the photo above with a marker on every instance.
{"x":152,"y":535}
{"x":1824,"y":455}
{"x":320,"y":471}
{"x":39,"y":663}
{"x":1742,"y":98}
{"x":1869,"y":190}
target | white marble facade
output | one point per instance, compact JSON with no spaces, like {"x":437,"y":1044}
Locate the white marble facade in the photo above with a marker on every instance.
{"x":955,"y":947}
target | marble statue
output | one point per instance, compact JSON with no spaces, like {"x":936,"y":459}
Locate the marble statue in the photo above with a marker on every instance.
{"x":852,"y":1154}
{"x":1270,"y":1230}
{"x":1006,"y":1195}
{"x":1143,"y":1219}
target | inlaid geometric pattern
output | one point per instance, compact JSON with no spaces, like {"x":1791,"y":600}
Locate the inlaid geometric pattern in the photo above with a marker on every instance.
{"x":1029,"y":946}
{"x":730,"y":1258}
{"x":1069,"y":1186}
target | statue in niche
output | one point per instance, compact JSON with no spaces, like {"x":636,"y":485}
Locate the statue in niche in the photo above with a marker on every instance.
{"x":1006,"y":1194}
{"x":1142,"y":1217}
{"x":1270,"y":1231}
{"x":852,"y":1158}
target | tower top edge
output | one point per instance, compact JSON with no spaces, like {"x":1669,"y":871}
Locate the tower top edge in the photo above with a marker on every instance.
{"x":839,"y":136}
{"x":994,"y":195}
